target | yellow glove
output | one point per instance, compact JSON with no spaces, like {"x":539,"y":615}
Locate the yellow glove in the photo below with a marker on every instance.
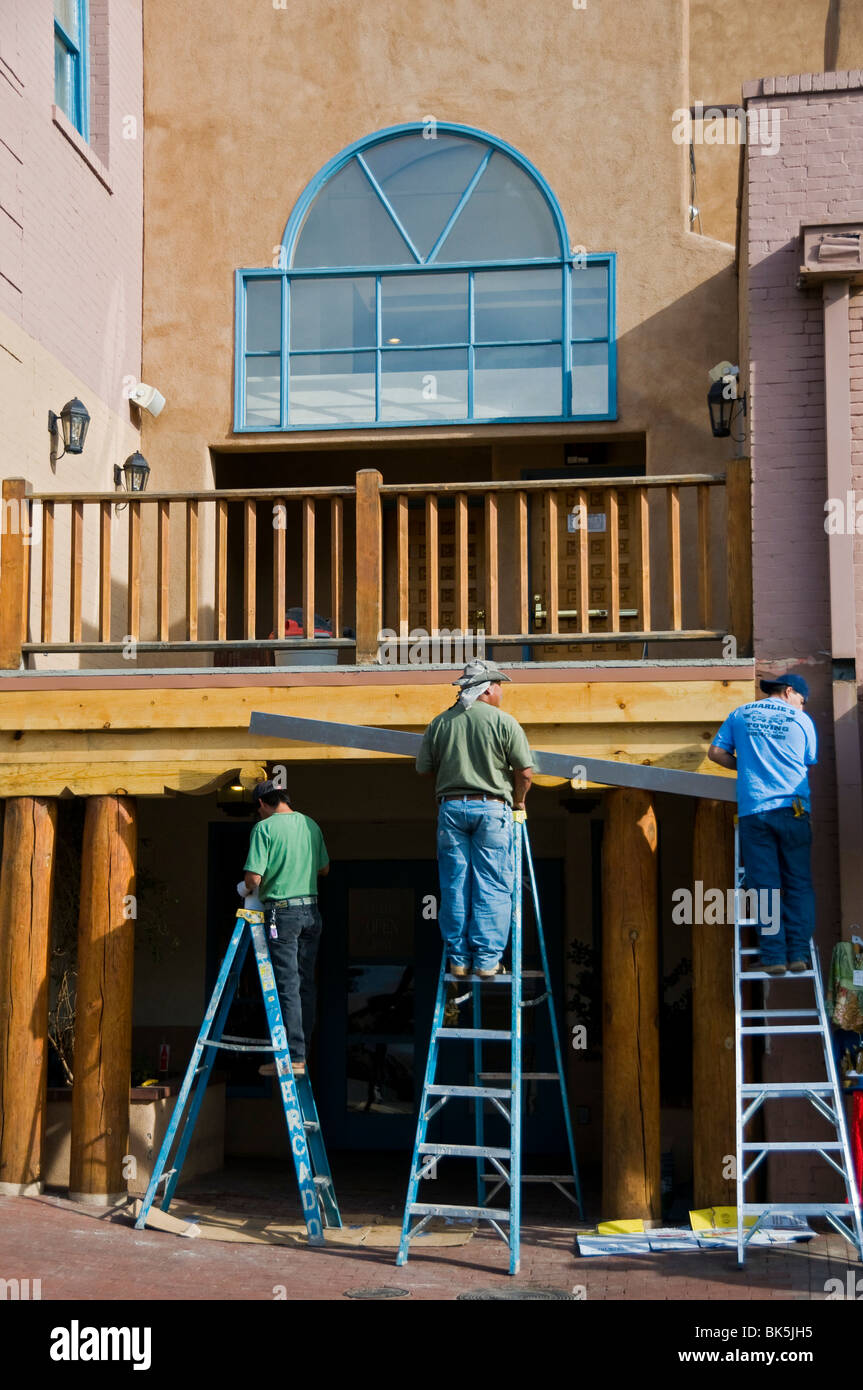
{"x":519,"y":817}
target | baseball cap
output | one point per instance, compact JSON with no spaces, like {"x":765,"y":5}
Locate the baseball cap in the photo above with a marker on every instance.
{"x":796,"y":682}
{"x":263,"y":789}
{"x":478,"y":672}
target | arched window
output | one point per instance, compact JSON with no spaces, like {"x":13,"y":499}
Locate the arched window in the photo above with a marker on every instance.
{"x":425,"y":277}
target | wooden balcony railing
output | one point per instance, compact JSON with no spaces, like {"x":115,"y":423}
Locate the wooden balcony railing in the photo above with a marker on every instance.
{"x":545,"y":565}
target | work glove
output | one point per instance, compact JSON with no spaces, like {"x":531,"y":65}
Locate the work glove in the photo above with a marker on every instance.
{"x":242,"y":889}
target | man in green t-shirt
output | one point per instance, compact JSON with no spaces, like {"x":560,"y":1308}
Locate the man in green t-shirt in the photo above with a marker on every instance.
{"x":286,"y":858}
{"x":482,"y":762}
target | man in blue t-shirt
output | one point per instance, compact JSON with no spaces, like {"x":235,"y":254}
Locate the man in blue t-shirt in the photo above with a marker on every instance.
{"x":770,"y":744}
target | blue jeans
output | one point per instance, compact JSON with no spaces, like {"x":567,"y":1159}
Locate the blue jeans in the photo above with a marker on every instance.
{"x":293,"y":953}
{"x":475,"y":861}
{"x":775,"y":849}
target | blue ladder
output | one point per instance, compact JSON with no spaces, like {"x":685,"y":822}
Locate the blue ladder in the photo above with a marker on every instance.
{"x":314,"y":1179}
{"x":506,"y":1099}
{"x":823,"y":1093}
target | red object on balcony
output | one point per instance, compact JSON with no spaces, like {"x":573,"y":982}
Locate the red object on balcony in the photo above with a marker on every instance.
{"x":294,"y":625}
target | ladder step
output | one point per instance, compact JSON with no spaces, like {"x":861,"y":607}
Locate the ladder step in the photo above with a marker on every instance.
{"x":488,"y":1092}
{"x":789,"y":975}
{"x":478,"y":1213}
{"x":525,"y":1076}
{"x":779,"y":1013}
{"x":502,"y":979}
{"x":786,"y":1088}
{"x":785,"y":1028}
{"x":492,"y":1034}
{"x":463,"y":1151}
{"x":532,"y":1177}
{"x":791,"y":1146}
{"x":796,"y":1208}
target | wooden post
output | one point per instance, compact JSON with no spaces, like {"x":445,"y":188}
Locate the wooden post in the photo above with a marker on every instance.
{"x":103,"y":1020}
{"x":26,"y":885}
{"x":713,"y":1011}
{"x":14,"y":572}
{"x":738,"y":545}
{"x":369,"y":565}
{"x":630,"y":996}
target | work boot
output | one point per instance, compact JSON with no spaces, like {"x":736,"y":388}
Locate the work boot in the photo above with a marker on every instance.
{"x":458,"y":970}
{"x":779,"y":968}
{"x":798,"y":966}
{"x":490,"y":972}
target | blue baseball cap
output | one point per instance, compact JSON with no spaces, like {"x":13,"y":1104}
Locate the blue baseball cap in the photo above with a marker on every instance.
{"x":796,"y":683}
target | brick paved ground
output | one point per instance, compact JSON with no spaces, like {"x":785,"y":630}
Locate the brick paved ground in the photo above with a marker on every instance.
{"x":81,"y":1254}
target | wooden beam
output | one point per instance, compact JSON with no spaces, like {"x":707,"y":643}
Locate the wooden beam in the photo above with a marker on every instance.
{"x":521,"y":562}
{"x":461,"y":562}
{"x":14,"y":571}
{"x":640,"y":524}
{"x":105,"y":513}
{"x":192,"y":571}
{"x":492,"y":604}
{"x":76,"y":578}
{"x":738,"y":531}
{"x":250,"y":568}
{"x":583,"y":542}
{"x":220,"y":615}
{"x":432,"y":564}
{"x":630,"y":993}
{"x":337,"y":567}
{"x":613,"y":561}
{"x":47,"y":624}
{"x":26,"y":887}
{"x":103,"y":1018}
{"x":280,"y":513}
{"x":134,"y":607}
{"x":402,"y":567}
{"x":369,"y":565}
{"x":675,"y":589}
{"x":308,"y":566}
{"x":713,"y":1141}
{"x":552,"y":564}
{"x":163,"y":573}
{"x":704,"y":576}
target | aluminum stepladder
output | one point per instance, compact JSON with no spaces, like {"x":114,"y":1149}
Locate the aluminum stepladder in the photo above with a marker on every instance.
{"x":506,"y":1099}
{"x":825,"y":1094}
{"x":314,"y":1179}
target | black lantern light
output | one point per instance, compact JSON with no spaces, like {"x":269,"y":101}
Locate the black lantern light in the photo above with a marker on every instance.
{"x":234,"y":799}
{"x":724,"y":402}
{"x":74,"y":420}
{"x":134,"y":473}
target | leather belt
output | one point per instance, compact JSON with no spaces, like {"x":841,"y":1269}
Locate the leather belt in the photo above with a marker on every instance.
{"x":473,"y":796}
{"x":290,"y":902}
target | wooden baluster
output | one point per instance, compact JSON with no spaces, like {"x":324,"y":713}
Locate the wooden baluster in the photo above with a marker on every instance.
{"x":704,"y":605}
{"x":47,"y":623}
{"x":492,"y":599}
{"x":432,"y":564}
{"x":221,"y":577}
{"x":738,"y":487}
{"x":280,"y":514}
{"x":402,"y":566}
{"x":308,"y":566}
{"x":641,"y":528}
{"x":336,"y":565}
{"x":613,"y":560}
{"x":77,"y":561}
{"x":14,"y":574}
{"x":461,"y":557}
{"x":583,"y":562}
{"x":105,"y":571}
{"x":250,"y":537}
{"x":163,"y":579}
{"x":134,"y":596}
{"x":369,"y":552}
{"x":522,"y":591}
{"x":552,"y":567}
{"x":192,"y":570}
{"x":675,"y":594}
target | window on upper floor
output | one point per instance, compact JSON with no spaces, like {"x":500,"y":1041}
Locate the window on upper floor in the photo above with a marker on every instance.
{"x":71,"y":77}
{"x":425,"y":281}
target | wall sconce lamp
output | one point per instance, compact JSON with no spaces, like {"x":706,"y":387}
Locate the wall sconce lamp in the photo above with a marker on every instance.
{"x":134,"y":473}
{"x":74,"y":420}
{"x":234,"y":800}
{"x":723,"y":400}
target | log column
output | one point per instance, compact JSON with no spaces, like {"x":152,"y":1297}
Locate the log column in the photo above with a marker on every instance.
{"x":103,"y":1019}
{"x":630,"y":998}
{"x":26,"y":886}
{"x":713,"y":1142}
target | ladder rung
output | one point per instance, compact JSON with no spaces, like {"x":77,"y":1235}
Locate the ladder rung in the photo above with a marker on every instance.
{"x":532,"y":1177}
{"x":492,"y":1034}
{"x":525,"y":1076}
{"x":785,"y":1028}
{"x":779,"y":1013}
{"x":463,"y":1151}
{"x":791,"y":1146}
{"x":501,"y":979}
{"x":796,"y":1208}
{"x":485,"y":1091}
{"x":785,"y":1088}
{"x":478,"y":1213}
{"x":789,"y":975}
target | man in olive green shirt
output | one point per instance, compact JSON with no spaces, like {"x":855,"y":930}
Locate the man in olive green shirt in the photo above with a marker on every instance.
{"x":287,"y":856}
{"x":482,"y":762}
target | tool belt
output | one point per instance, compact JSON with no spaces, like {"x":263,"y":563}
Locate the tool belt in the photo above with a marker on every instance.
{"x":473,"y":796}
{"x":291,"y":902}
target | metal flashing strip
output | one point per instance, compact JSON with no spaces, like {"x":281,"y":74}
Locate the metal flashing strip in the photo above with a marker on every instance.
{"x":564,"y":765}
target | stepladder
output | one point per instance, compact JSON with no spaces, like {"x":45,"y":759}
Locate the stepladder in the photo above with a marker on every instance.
{"x":775,"y":1021}
{"x":501,"y":1091}
{"x":314,"y":1179}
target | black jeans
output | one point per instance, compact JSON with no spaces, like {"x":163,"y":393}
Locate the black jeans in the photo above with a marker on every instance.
{"x":293,"y":952}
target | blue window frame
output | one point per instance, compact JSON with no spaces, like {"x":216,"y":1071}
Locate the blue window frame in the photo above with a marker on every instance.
{"x":71,"y":75}
{"x":425,"y":277}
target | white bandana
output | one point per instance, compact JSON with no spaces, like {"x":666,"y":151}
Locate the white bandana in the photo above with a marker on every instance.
{"x":467,"y":697}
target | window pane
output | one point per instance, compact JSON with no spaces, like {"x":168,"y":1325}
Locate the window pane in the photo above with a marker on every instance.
{"x":347,"y":224}
{"x":513,"y":304}
{"x":424,"y":385}
{"x":66,"y":11}
{"x":424,"y":180}
{"x":332,"y":313}
{"x":513,"y":381}
{"x":332,"y":390}
{"x":505,"y":218}
{"x":262,"y":390}
{"x":64,"y":80}
{"x":263,"y":315}
{"x":589,"y":301}
{"x":590,"y":378}
{"x":424,"y":309}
